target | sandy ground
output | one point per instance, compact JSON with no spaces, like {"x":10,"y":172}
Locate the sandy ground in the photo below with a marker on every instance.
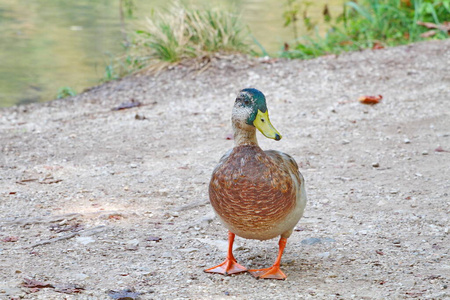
{"x":94,"y":200}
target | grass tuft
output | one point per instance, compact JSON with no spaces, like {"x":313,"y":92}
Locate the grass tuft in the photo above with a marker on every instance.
{"x":65,"y":92}
{"x":181,"y":33}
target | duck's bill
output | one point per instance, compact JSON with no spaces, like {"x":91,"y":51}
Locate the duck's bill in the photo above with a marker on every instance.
{"x":263,"y":124}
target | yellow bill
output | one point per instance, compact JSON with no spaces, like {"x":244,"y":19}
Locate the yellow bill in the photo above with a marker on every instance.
{"x":263,"y":124}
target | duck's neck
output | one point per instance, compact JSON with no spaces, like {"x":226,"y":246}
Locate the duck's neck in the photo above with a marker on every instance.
{"x":245,"y":136}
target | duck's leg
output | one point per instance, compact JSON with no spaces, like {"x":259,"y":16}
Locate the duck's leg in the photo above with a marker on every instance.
{"x":274,"y":271}
{"x":229,"y":266}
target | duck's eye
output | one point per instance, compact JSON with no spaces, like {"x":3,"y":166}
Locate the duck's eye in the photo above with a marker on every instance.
{"x":246,"y":101}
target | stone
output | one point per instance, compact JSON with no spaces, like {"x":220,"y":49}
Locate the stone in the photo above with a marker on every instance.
{"x":84,"y":240}
{"x":310,"y":241}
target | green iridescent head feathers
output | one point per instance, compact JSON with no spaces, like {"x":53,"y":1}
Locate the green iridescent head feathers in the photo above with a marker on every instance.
{"x":254,"y":102}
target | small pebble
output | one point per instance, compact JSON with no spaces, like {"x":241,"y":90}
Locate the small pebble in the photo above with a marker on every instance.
{"x":324,"y":254}
{"x":375,"y":165}
{"x":139,"y":117}
{"x":310,"y":241}
{"x":425,"y":152}
{"x":407,"y":141}
{"x":84,"y":240}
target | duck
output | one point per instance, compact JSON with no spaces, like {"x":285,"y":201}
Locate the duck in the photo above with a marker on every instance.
{"x":255,"y":194}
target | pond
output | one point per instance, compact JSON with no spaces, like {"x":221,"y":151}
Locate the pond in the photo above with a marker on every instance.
{"x":46,"y":45}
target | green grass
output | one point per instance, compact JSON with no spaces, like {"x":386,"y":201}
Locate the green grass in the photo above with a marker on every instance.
{"x":181,"y":33}
{"x":65,"y":92}
{"x":371,"y":23}
{"x":184,"y":32}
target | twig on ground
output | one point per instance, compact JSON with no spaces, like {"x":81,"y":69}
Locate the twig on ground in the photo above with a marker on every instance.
{"x":87,"y":232}
{"x":40,"y":220}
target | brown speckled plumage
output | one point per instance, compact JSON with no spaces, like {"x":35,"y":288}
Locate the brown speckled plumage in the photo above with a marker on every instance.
{"x":256,"y":194}
{"x":252,"y":189}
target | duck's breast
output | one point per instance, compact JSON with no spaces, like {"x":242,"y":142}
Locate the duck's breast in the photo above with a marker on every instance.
{"x":253,"y":193}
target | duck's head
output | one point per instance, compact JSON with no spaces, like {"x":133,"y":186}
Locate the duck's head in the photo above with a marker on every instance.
{"x":250,"y":111}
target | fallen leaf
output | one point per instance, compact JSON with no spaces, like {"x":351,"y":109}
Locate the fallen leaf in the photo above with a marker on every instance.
{"x":428,"y":34}
{"x":32,"y":283}
{"x":69,"y":289}
{"x":153,"y":239}
{"x":406,"y":2}
{"x":440,"y":149}
{"x":114,"y":217}
{"x":379,"y":252}
{"x":10,"y":239}
{"x":445,"y":26}
{"x":127,"y":105}
{"x":345,"y":43}
{"x":371,"y":100}
{"x":377,"y":46}
{"x":268,"y":60}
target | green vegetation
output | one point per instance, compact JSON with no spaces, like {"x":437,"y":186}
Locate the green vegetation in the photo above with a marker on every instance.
{"x":374,"y":24}
{"x":181,"y":33}
{"x":65,"y":91}
{"x":186,"y":32}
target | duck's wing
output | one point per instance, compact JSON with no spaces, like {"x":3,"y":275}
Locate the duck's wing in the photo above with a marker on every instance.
{"x":287,"y":162}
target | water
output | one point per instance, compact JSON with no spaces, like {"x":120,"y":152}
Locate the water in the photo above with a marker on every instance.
{"x":46,"y":45}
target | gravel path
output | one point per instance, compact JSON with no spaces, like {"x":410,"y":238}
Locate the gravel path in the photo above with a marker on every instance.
{"x":95,"y":201}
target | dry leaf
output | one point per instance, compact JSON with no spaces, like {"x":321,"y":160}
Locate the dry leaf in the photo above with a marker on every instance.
{"x":371,"y":100}
{"x":345,"y":43}
{"x":32,"y":283}
{"x":428,"y":34}
{"x":10,"y":239}
{"x":440,"y":149}
{"x":377,"y":45}
{"x":69,"y":289}
{"x":445,"y":26}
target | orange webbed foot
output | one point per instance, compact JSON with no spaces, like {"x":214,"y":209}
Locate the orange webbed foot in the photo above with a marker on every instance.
{"x":273,"y":272}
{"x":228,"y":267}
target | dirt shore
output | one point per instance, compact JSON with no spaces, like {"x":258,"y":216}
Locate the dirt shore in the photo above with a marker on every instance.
{"x":95,"y":201}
